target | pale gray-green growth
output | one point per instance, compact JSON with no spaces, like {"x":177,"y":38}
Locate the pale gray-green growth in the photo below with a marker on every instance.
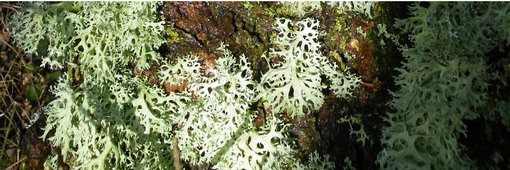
{"x":294,"y":83}
{"x":443,"y":80}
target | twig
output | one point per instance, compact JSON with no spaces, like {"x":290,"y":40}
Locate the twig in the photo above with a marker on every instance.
{"x":11,"y":7}
{"x":10,"y":167}
{"x":176,"y":154}
{"x":7,"y":132}
{"x":370,"y":84}
{"x":12,"y":48}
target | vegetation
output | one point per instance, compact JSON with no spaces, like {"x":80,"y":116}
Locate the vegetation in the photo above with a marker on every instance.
{"x":278,"y":85}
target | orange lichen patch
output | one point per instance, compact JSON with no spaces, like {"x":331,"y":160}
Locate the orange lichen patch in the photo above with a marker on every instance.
{"x":364,"y":63}
{"x":355,"y":42}
{"x":260,"y":120}
{"x":203,"y":26}
{"x":357,"y":45}
{"x":366,"y":67}
{"x":172,"y":88}
{"x":188,"y":16}
{"x":359,"y":22}
{"x":200,"y":25}
{"x":150,"y":73}
{"x":207,"y":61}
{"x":202,"y":36}
{"x":362,"y":48}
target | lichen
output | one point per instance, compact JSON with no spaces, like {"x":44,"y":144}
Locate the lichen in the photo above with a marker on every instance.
{"x":443,"y":80}
{"x":293,"y":83}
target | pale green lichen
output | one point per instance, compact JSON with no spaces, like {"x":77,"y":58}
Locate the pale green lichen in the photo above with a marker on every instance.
{"x":114,"y":120}
{"x":358,"y":7}
{"x":299,"y":8}
{"x":315,"y":161}
{"x":293,"y":82}
{"x":359,"y":133}
{"x":443,"y":80}
{"x":220,"y":110}
{"x":110,"y":117}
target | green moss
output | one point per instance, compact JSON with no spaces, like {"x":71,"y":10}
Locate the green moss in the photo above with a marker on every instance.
{"x":172,"y":36}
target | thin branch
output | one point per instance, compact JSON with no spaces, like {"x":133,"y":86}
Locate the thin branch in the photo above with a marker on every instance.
{"x":12,"y":166}
{"x":12,"y":48}
{"x":176,"y":154}
{"x":11,"y":7}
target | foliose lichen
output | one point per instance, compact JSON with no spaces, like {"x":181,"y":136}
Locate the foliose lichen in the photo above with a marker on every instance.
{"x":443,"y":80}
{"x":293,"y":81}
